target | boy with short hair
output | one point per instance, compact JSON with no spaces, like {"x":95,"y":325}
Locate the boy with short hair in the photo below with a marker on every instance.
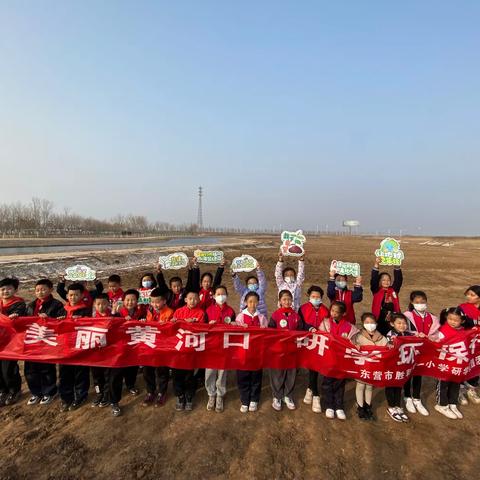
{"x":87,"y":295}
{"x":42,"y":377}
{"x":12,"y":306}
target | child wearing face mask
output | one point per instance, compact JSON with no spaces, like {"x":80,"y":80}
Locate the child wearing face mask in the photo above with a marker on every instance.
{"x":399,"y":328}
{"x":385,"y":295}
{"x":420,"y":323}
{"x":337,"y":289}
{"x":333,"y":389}
{"x":216,"y":380}
{"x":287,"y":279}
{"x":368,"y":335}
{"x":253,"y":283}
{"x":208,"y":285}
{"x":312,"y":313}
{"x":471,"y":308}
{"x":282,"y":381}
{"x":147,"y":284}
{"x":452,"y":321}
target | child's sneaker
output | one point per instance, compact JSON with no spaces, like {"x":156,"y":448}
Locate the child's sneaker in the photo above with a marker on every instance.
{"x":455,"y":410}
{"x":369,"y":412}
{"x":188,"y":406}
{"x":97,"y":400}
{"x":340,"y":414}
{"x":403,"y":415}
{"x":316,"y":407}
{"x":361,"y":412}
{"x":116,"y":412}
{"x":211,"y":403}
{"x":3,"y":397}
{"x":244,"y":408}
{"x":308,"y":397}
{"x":33,"y":400}
{"x":148,"y":400}
{"x":160,"y":400}
{"x":394,"y":414}
{"x":445,"y":411}
{"x":180,"y":404}
{"x":103,"y":403}
{"x":462,"y":396}
{"x":47,"y":399}
{"x":12,"y":398}
{"x":277,"y":404}
{"x":134,"y":391}
{"x":472,"y":395}
{"x":219,"y":404}
{"x":64,"y":406}
{"x":330,"y":413}
{"x":253,"y":407}
{"x":410,"y":405}
{"x":77,"y":403}
{"x":420,"y":407}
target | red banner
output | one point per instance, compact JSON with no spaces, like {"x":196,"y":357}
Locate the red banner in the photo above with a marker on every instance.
{"x":115,"y":343}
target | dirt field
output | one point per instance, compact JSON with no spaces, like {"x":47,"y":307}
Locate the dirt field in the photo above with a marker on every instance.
{"x":148,"y":443}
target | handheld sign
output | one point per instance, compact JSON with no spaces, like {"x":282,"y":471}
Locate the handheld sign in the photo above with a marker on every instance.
{"x":292,"y":243}
{"x":345,"y":268}
{"x":208,"y":256}
{"x":144,"y":298}
{"x":174,"y":261}
{"x":245,"y":263}
{"x":389,"y":252}
{"x":80,"y":273}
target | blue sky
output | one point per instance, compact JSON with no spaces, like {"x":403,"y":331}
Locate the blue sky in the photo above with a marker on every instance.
{"x":294,"y":113}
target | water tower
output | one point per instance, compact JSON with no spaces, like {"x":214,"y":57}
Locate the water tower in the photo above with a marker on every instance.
{"x":351,"y":224}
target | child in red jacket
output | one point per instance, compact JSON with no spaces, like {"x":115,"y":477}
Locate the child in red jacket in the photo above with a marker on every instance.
{"x":312,"y":314}
{"x":115,"y":291}
{"x":208,"y":285}
{"x":282,"y":381}
{"x":337,"y":289}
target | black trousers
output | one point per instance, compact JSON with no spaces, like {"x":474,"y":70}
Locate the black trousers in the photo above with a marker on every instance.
{"x":412,"y":387}
{"x":313,"y":382}
{"x":74,"y":382}
{"x":250,"y":385}
{"x":10,"y":380}
{"x":115,"y":383}
{"x":41,"y":378}
{"x":333,"y":391}
{"x":394,"y":396}
{"x":100,"y":380}
{"x":130,"y":375}
{"x":184,"y":383}
{"x":447,"y":393}
{"x":152,"y":374}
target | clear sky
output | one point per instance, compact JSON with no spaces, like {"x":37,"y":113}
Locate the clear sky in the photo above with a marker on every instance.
{"x":299,"y":113}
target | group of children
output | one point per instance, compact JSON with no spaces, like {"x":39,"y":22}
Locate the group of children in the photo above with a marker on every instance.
{"x":205,"y":299}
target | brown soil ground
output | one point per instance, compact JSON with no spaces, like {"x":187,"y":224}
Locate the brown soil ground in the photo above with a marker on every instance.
{"x":148,"y":443}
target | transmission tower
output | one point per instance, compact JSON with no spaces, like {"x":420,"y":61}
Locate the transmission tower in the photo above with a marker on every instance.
{"x":200,"y":209}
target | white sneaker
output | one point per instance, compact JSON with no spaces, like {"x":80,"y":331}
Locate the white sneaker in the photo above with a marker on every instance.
{"x":276,"y":404}
{"x":455,"y":410}
{"x":462,"y":396}
{"x":253,"y":407}
{"x":420,"y":407}
{"x":316,"y":407}
{"x":211,"y":403}
{"x":410,"y":405}
{"x":308,"y":397}
{"x":472,"y":395}
{"x":403,"y":415}
{"x":445,"y":410}
{"x":340,"y":414}
{"x":394,"y":414}
{"x":289,"y":403}
{"x":330,"y":413}
{"x":244,"y":408}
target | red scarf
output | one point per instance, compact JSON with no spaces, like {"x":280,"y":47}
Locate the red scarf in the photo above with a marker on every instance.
{"x":71,"y":309}
{"x":39,"y":304}
{"x":9,"y":303}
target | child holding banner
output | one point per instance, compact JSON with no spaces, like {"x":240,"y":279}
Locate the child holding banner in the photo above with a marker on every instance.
{"x":250,"y":381}
{"x":337,"y":289}
{"x":42,"y":377}
{"x":452,"y":321}
{"x":368,"y":335}
{"x":311,"y":315}
{"x":257,"y":284}
{"x":216,"y":380}
{"x":287,"y":279}
{"x":282,"y":381}
{"x":385,"y":295}
{"x":471,"y":308}
{"x":422,"y":324}
{"x":74,"y":379}
{"x":11,"y":306}
{"x":333,"y":389}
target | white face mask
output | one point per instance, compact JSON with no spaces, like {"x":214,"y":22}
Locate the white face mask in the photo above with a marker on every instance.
{"x":341,"y":284}
{"x":316,"y":302}
{"x":289,"y":279}
{"x":221,"y":299}
{"x":420,"y":307}
{"x":370,"y":327}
